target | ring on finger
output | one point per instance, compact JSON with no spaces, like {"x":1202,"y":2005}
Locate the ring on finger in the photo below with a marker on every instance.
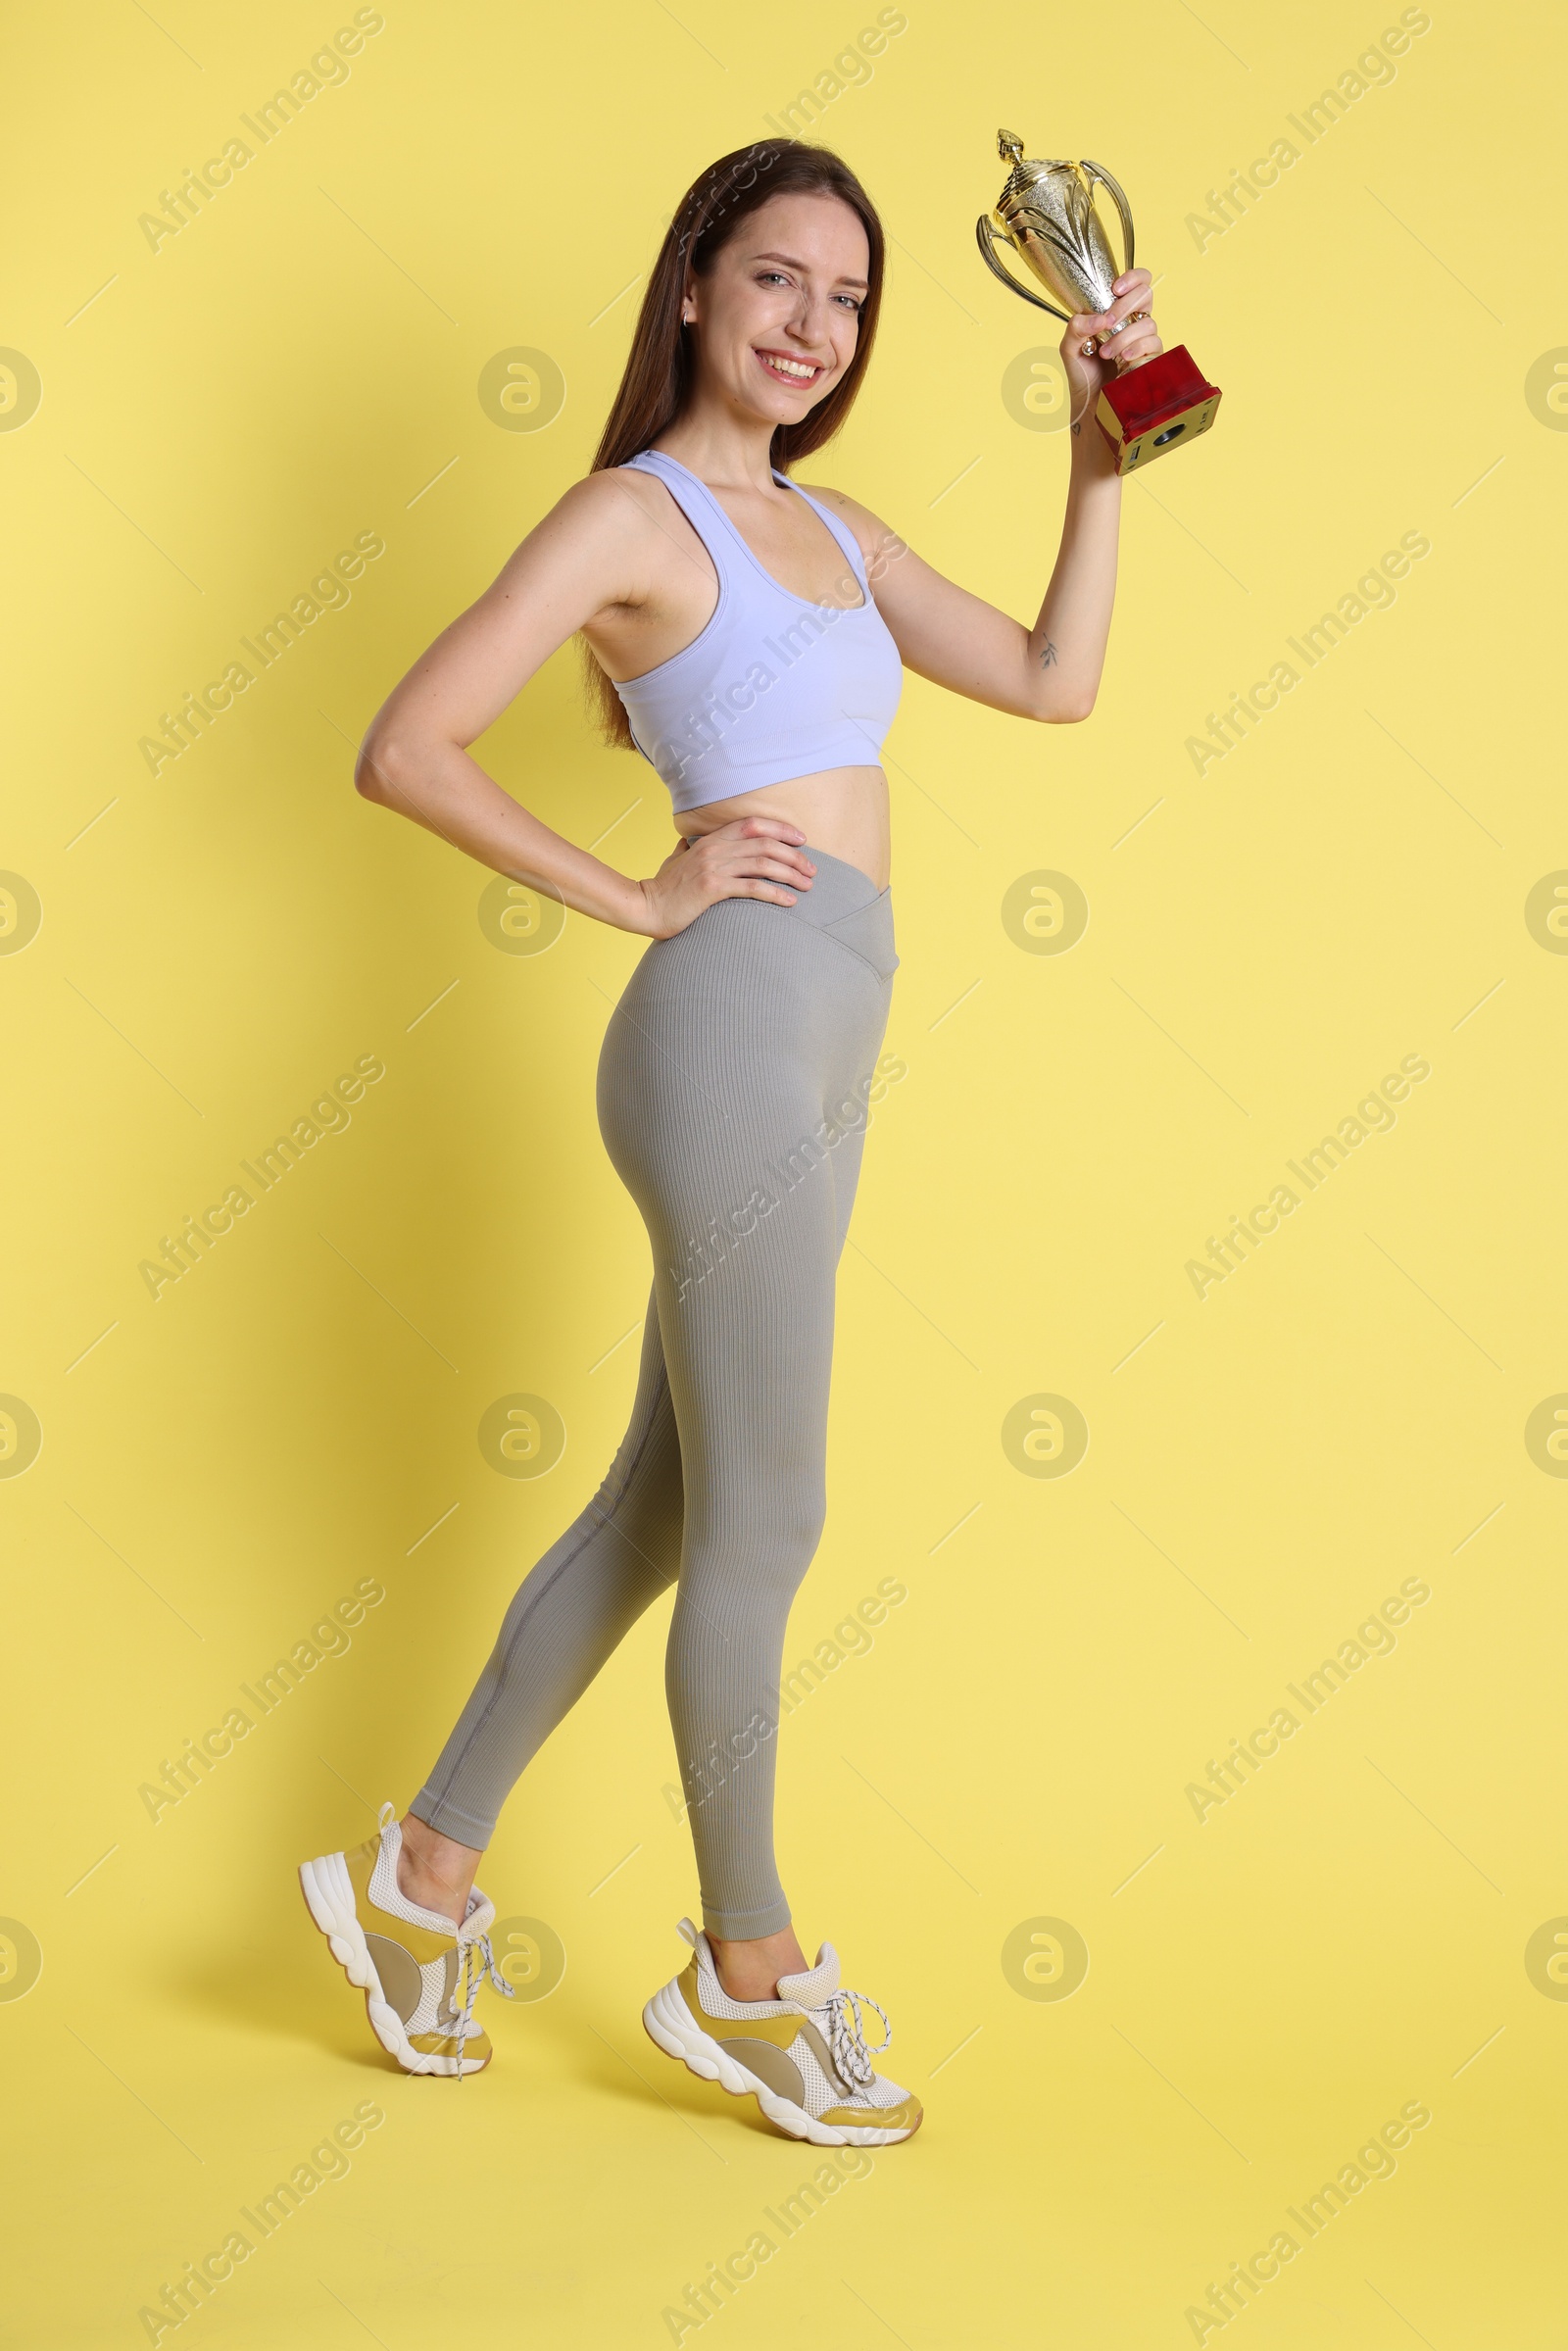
{"x":1132,"y":319}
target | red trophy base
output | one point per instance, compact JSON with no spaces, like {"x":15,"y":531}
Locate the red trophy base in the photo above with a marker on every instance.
{"x":1159,"y":406}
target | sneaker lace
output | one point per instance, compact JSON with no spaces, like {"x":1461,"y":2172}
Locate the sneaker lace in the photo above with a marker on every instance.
{"x":847,"y":2036}
{"x":478,"y":1961}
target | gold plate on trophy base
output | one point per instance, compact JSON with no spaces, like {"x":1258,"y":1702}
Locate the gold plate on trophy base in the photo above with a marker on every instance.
{"x":1174,"y":432}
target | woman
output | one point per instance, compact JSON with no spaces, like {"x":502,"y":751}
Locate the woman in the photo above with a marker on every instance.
{"x":738,"y":644}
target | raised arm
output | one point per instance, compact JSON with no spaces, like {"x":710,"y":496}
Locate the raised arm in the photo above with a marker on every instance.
{"x":1052,"y":670}
{"x":595,"y":551}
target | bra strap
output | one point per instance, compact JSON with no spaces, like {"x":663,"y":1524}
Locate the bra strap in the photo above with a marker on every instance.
{"x":694,"y":498}
{"x":849,"y":544}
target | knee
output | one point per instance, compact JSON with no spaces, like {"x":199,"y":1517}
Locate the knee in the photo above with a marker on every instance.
{"x":786,"y":1509}
{"x":802,"y":1529}
{"x":780,"y":1543}
{"x":647,"y":1542}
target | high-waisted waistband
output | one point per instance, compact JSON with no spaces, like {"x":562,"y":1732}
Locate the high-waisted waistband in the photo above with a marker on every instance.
{"x":843,"y":902}
{"x":847,"y":905}
{"x":837,"y":889}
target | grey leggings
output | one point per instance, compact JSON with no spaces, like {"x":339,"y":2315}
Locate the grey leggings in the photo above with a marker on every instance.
{"x":733,"y":1088}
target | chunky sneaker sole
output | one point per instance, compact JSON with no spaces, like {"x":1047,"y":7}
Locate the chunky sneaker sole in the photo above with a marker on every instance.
{"x":409,"y":1963}
{"x":790,"y":2054}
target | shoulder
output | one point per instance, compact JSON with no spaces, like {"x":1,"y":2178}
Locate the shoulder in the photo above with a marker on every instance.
{"x":604,"y":531}
{"x":876,"y":539}
{"x":609,"y":503}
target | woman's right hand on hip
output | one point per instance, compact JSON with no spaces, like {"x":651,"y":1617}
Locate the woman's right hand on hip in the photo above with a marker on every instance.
{"x":754,"y":857}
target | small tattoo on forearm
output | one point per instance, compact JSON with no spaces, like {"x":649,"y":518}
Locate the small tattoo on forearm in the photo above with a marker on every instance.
{"x":1077,"y":429}
{"x":1048,"y":655}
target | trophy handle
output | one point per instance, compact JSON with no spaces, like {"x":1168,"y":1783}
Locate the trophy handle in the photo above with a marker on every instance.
{"x":986,"y":237}
{"x":1098,"y":171}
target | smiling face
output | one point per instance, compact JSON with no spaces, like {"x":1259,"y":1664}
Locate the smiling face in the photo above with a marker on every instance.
{"x":776,"y":319}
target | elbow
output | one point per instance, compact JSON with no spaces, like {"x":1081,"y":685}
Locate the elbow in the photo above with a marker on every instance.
{"x":378,"y":769}
{"x":1067,"y":713}
{"x":1061,"y":695}
{"x":400,"y":770}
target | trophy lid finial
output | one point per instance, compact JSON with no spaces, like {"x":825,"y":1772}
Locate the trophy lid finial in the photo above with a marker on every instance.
{"x":1009,"y":146}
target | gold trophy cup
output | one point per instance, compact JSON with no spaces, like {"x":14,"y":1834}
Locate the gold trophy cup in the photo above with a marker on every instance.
{"x":1045,"y":214}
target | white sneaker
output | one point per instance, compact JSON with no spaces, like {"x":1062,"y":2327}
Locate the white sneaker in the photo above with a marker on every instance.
{"x":406,"y":1961}
{"x":802,"y":2057}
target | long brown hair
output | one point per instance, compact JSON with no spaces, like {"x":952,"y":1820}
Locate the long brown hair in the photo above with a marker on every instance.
{"x":660,"y":372}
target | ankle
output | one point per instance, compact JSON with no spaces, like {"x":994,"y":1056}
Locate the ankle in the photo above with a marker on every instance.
{"x":747,"y":1984}
{"x":432,"y":1892}
{"x":749,"y":1970}
{"x":434,"y":1871}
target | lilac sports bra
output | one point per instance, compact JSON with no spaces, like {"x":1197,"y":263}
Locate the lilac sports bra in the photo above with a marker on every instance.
{"x":774,"y":686}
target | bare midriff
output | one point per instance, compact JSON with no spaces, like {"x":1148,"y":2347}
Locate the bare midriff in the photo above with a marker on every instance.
{"x":843,"y":812}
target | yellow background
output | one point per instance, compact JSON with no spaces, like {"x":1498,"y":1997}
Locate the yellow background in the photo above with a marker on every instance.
{"x":1266,"y":1988}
